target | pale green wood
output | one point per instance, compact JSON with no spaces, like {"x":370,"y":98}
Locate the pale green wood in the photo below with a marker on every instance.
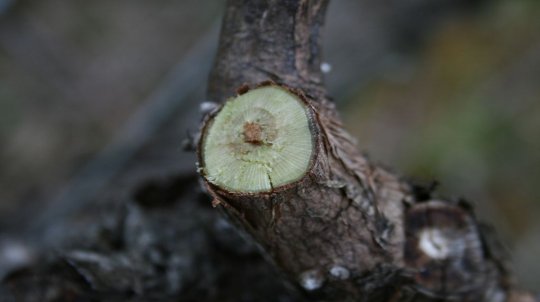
{"x":281,"y":156}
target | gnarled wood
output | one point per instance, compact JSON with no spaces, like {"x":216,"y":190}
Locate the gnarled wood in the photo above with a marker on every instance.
{"x":349,"y":230}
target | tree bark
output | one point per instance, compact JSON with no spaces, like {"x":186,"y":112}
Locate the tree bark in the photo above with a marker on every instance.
{"x":349,"y":230}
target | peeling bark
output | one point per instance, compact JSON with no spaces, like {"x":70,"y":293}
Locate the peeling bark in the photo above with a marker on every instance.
{"x":349,"y":230}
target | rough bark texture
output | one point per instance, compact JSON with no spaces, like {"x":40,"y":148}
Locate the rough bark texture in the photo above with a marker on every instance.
{"x":350,"y":230}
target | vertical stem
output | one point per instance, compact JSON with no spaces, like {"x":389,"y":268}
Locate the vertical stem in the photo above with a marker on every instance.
{"x":269,"y":39}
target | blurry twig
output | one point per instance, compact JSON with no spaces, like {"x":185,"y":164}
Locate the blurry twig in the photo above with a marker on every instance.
{"x":157,"y":109}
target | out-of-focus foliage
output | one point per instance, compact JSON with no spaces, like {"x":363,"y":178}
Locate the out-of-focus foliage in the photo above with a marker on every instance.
{"x":466,"y":112}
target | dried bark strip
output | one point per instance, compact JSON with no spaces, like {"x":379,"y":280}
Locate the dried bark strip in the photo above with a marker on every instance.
{"x":348,"y":230}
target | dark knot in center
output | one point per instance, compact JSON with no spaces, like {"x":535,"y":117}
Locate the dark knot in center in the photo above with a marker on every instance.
{"x":253,"y":133}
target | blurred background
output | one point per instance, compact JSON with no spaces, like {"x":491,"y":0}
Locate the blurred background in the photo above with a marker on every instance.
{"x":445,"y":90}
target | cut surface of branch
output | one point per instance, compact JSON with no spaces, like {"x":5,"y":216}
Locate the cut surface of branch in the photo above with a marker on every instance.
{"x":258,"y":141}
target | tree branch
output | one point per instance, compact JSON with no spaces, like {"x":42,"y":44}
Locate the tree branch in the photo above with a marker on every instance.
{"x":347,"y":230}
{"x":261,"y":40}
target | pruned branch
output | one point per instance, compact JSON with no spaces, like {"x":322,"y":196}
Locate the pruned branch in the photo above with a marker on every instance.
{"x":338,"y":227}
{"x":346,"y":230}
